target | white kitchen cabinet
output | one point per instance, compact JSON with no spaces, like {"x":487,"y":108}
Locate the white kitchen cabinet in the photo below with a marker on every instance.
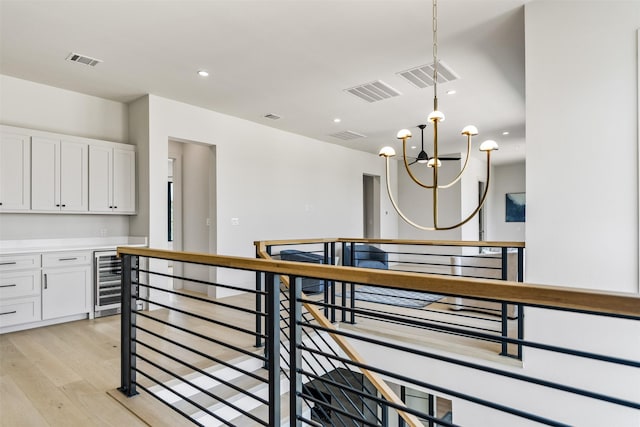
{"x":112,"y":180}
{"x":66,"y":284}
{"x":59,"y":175}
{"x":15,"y":172}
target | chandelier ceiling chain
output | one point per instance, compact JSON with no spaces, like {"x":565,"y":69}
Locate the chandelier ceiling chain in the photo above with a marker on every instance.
{"x":434,"y":163}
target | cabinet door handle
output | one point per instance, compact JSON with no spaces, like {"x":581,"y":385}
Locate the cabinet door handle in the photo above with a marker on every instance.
{"x":8,"y":312}
{"x":64,"y":206}
{"x":8,"y":286}
{"x":57,"y":205}
{"x":8,"y":263}
{"x":45,"y":281}
{"x":68,"y":259}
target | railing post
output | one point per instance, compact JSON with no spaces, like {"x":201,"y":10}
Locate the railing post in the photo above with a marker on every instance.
{"x":344,"y":285}
{"x":273,"y":346}
{"x":259,"y":289}
{"x":403,"y":397}
{"x":332,"y":284}
{"x":520,"y":306}
{"x":352,"y":294}
{"x":505,"y":306}
{"x":325,"y":290}
{"x":128,"y":330}
{"x":295,"y":357}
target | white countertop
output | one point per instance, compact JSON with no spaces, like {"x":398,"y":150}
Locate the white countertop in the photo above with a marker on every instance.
{"x":77,"y":244}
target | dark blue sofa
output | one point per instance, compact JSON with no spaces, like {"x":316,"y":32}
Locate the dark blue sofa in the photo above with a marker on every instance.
{"x":309,"y":285}
{"x":366,"y":256}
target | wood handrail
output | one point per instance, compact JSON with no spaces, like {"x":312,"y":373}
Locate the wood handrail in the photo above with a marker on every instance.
{"x":469,"y":243}
{"x":625,"y":304}
{"x":382,"y":387}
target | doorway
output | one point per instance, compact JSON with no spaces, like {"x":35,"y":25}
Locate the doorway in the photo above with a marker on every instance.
{"x":191,"y":205}
{"x":371,"y":206}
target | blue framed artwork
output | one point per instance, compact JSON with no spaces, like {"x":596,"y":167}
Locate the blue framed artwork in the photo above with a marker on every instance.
{"x":515,"y":207}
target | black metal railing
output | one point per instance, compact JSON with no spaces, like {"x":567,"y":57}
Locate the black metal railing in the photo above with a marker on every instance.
{"x":326,"y":375}
{"x":168,"y":351}
{"x":481,"y":260}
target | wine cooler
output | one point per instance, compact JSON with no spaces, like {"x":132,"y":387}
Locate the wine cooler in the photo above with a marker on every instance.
{"x":108,"y":271}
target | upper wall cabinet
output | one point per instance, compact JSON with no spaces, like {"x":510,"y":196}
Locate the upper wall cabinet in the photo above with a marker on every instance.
{"x":15,"y":172}
{"x":112,"y":179}
{"x":44,"y":172}
{"x":59,"y":175}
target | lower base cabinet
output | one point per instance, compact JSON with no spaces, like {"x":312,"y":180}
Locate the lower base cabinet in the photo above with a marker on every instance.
{"x":19,"y":310}
{"x":65,"y":292}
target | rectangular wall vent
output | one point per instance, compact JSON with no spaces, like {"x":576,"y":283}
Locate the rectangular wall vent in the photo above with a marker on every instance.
{"x":272,"y":116}
{"x":422,"y":76}
{"x":374,"y":91}
{"x":82,"y":59}
{"x":347,"y":135}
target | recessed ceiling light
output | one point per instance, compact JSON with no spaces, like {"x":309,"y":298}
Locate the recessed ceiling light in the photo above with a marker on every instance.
{"x":203,"y":73}
{"x":337,"y":120}
{"x":506,"y":132}
{"x":413,"y":147}
{"x":451,"y":92}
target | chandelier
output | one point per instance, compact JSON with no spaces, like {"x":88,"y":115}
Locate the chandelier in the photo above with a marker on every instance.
{"x":435,"y":118}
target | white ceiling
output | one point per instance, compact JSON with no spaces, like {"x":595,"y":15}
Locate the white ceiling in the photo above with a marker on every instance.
{"x":290,"y":58}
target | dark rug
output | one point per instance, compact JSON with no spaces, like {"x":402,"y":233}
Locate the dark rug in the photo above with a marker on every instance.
{"x":397,"y":297}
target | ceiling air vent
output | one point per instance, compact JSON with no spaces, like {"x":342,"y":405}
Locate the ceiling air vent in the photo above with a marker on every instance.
{"x":272,"y":116}
{"x":374,"y":91}
{"x":347,"y":135}
{"x":82,"y":59}
{"x":422,"y":76}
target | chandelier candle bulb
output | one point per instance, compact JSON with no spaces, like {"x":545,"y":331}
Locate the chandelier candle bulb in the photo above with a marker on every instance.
{"x":387,"y":152}
{"x":489,"y":145}
{"x":469,"y":130}
{"x":436,"y":116}
{"x":432,"y":162}
{"x":403,"y":134}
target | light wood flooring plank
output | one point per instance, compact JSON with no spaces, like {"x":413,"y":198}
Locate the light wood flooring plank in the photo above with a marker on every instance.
{"x":104,"y":410}
{"x":15,"y":407}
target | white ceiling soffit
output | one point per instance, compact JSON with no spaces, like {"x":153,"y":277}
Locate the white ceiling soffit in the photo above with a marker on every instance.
{"x":373,"y":91}
{"x":422,"y":76}
{"x":83,"y":59}
{"x":347,"y":135}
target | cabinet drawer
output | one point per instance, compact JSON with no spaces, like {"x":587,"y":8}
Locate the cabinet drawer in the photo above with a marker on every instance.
{"x":19,"y":262}
{"x":64,"y":259}
{"x":19,"y":284}
{"x":21,"y":310}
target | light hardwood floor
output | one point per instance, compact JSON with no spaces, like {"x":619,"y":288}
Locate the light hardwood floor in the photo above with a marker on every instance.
{"x":59,"y":376}
{"x":67,"y":374}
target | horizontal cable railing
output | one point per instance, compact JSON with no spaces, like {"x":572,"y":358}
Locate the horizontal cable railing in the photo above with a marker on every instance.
{"x":330,"y":370}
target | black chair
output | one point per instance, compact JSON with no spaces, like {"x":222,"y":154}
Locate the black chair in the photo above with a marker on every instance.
{"x":309,"y":285}
{"x":367,"y":256}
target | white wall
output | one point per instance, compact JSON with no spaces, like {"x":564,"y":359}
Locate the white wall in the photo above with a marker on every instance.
{"x":279,"y":185}
{"x":36,"y":106}
{"x":508,"y":178}
{"x":582,"y":142}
